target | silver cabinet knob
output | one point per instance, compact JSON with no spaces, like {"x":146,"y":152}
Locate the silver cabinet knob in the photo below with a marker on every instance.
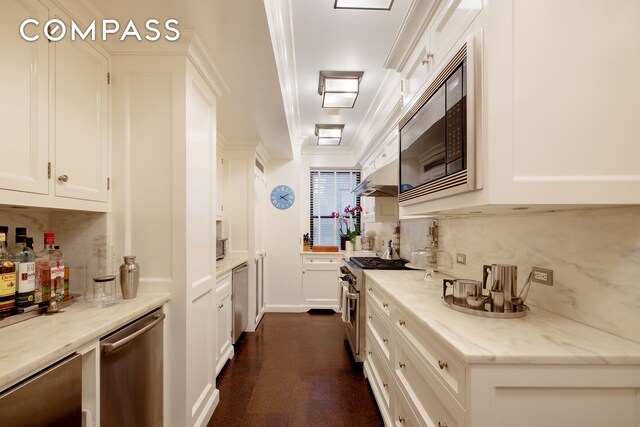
{"x":63,"y":178}
{"x":385,"y":340}
{"x":401,"y":419}
{"x":385,"y":385}
{"x":370,"y":317}
{"x":427,"y":58}
{"x":443,"y":364}
{"x":440,"y":424}
{"x":402,"y":365}
{"x":402,"y":322}
{"x":385,"y":305}
{"x":370,"y":289}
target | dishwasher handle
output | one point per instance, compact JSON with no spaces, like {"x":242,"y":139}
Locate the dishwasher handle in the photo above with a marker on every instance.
{"x":108,"y":347}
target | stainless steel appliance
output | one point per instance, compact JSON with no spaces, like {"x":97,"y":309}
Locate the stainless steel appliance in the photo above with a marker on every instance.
{"x":353,"y":282}
{"x":221,"y":248}
{"x":52,"y":397}
{"x":438,"y":139}
{"x":240,"y":284}
{"x":131,"y":374}
{"x":380,"y":183}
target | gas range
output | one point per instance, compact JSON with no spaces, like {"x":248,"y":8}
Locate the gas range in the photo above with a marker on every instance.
{"x":375,"y":263}
{"x":353,"y":298}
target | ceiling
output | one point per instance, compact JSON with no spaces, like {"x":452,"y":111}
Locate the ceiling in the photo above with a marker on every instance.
{"x":317,"y":37}
{"x":340,"y":40}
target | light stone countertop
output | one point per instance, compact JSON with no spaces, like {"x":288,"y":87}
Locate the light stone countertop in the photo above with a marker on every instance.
{"x":29,"y":346}
{"x":540,"y":337}
{"x":227,"y":264}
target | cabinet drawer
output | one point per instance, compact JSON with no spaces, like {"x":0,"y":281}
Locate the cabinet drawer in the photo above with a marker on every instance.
{"x":380,"y":377}
{"x":403,"y":414}
{"x":379,"y":300}
{"x":322,"y":260}
{"x":442,"y":364}
{"x":223,"y":286}
{"x":425,"y":393}
{"x":379,"y":330}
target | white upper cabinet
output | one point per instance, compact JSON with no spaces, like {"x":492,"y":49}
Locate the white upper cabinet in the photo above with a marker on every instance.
{"x":24,"y":110}
{"x":556,"y":117}
{"x":82,"y":119}
{"x":54,"y":113}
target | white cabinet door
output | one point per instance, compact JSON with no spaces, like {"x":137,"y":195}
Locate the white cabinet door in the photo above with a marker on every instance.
{"x":81,"y":121}
{"x":224,"y":330}
{"x":24,"y":111}
{"x":320,"y":286}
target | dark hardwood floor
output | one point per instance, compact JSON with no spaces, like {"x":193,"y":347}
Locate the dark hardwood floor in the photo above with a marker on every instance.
{"x":295,"y":370}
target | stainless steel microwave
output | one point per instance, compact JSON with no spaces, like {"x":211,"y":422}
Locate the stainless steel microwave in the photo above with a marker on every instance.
{"x":438,"y":140}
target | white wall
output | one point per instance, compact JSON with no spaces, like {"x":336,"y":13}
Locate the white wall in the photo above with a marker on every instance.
{"x":284,"y":229}
{"x":594,"y":254}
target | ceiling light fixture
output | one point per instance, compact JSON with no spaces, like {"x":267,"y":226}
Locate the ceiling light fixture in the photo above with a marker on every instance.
{"x":363,"y":4}
{"x":339,"y":89}
{"x":329,"y":134}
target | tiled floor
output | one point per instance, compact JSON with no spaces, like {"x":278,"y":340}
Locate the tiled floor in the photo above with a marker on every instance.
{"x":295,"y":370}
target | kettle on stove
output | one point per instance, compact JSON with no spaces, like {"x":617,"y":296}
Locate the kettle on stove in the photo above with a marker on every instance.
{"x":390,"y":253}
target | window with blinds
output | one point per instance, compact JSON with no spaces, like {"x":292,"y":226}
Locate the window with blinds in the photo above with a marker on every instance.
{"x":331,"y":192}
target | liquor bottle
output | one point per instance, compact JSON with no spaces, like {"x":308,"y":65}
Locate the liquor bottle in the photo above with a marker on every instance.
{"x":7,"y":277}
{"x":24,"y":258}
{"x":50,"y":270}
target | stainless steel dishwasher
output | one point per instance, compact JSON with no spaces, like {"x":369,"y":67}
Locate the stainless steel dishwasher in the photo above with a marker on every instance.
{"x":240,"y":292}
{"x":131,"y":374}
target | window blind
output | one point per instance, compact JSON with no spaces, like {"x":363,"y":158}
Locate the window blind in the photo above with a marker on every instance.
{"x":331,"y":192}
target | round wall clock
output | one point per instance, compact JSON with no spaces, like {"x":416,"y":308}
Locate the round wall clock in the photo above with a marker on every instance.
{"x":282,"y":197}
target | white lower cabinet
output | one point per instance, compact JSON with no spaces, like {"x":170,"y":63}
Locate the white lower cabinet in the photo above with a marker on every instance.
{"x":418,"y":382}
{"x":320,"y":281}
{"x":224,"y":317}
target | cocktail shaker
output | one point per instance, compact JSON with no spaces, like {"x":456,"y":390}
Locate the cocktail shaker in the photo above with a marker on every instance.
{"x":129,"y":277}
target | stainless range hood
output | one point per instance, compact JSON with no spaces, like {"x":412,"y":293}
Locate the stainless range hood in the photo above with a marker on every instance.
{"x":381,"y":183}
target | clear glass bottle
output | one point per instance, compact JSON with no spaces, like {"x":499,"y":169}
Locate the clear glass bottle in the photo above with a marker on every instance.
{"x":7,"y":277}
{"x":50,"y":270}
{"x":24,"y":258}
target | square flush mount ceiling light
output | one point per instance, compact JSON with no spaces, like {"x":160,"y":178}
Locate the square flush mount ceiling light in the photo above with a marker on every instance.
{"x":339,"y":89}
{"x":363,"y":4}
{"x":329,"y":134}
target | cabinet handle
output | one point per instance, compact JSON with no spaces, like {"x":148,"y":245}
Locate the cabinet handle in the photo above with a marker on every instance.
{"x":220,"y":306}
{"x":385,"y":305}
{"x":442,"y":364}
{"x":402,"y":365}
{"x":370,"y":289}
{"x":440,"y":424}
{"x":370,"y":353}
{"x":385,"y":340}
{"x":370,"y":317}
{"x":402,"y":322}
{"x":63,"y":178}
{"x":385,"y":385}
{"x":427,"y":58}
{"x":401,"y":419}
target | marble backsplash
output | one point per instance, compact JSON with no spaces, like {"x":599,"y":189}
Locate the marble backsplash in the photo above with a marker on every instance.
{"x":594,"y":255}
{"x":73,"y":232}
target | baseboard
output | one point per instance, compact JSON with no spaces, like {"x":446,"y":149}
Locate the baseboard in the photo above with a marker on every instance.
{"x":285,"y":309}
{"x":210,"y":407}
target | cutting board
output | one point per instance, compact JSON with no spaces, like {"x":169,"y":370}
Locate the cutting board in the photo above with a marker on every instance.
{"x":324,"y":249}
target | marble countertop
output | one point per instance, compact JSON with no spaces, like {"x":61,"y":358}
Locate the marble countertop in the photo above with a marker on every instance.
{"x":540,"y":337}
{"x":228,"y":263}
{"x":29,"y":346}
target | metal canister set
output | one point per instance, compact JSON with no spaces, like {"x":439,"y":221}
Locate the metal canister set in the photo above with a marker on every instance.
{"x":496,"y":296}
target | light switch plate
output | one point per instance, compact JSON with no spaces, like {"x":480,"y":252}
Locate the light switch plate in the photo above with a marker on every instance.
{"x":461,"y":258}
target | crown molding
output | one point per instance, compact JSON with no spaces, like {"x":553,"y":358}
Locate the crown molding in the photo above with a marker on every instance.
{"x":203,"y":62}
{"x":413,"y":27}
{"x":383,"y":112}
{"x":280,"y":22}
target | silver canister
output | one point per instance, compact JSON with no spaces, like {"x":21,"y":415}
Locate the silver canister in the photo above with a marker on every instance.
{"x":129,"y":277}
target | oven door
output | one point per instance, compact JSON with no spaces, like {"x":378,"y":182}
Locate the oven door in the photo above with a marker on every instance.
{"x":351,"y":317}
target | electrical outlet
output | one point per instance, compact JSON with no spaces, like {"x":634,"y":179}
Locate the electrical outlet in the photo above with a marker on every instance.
{"x":542,"y":275}
{"x":461,"y":258}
